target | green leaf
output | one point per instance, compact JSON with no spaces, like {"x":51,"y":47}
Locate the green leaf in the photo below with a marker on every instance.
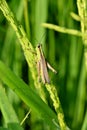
{"x":14,"y":126}
{"x":29,"y":96}
{"x":6,"y":108}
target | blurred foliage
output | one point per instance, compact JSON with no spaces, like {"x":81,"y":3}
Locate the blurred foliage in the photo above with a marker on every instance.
{"x":63,"y":51}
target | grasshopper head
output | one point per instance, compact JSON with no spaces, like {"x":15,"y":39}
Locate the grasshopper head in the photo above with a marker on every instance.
{"x":39,"y":50}
{"x":39,"y":46}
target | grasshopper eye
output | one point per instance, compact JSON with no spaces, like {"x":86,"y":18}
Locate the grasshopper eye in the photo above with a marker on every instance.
{"x":39,"y":45}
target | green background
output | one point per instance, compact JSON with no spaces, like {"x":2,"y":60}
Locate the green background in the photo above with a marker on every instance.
{"x":63,"y":51}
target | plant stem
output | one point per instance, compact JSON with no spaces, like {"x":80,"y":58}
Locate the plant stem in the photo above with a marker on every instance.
{"x":62,"y":29}
{"x":82,"y":9}
{"x":57,"y":105}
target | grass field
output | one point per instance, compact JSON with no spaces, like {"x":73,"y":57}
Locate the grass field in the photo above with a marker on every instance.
{"x":25,"y":102}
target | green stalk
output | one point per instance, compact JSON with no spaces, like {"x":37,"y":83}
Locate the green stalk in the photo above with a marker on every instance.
{"x":57,"y":105}
{"x":62,"y":29}
{"x":82,"y":9}
{"x":26,"y":16}
{"x":6,"y":108}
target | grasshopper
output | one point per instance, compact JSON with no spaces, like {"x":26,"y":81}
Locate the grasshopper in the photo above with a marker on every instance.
{"x":42,"y":66}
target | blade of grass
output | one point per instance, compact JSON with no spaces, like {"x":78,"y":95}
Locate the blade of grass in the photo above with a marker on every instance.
{"x":6,"y":108}
{"x":41,"y":8}
{"x":14,"y":126}
{"x":84,"y":126}
{"x":27,"y":18}
{"x":81,"y":96}
{"x":9,"y":44}
{"x":28,"y":95}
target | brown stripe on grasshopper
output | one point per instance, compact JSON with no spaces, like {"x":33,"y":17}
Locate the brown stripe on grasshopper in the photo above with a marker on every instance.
{"x":42,"y":66}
